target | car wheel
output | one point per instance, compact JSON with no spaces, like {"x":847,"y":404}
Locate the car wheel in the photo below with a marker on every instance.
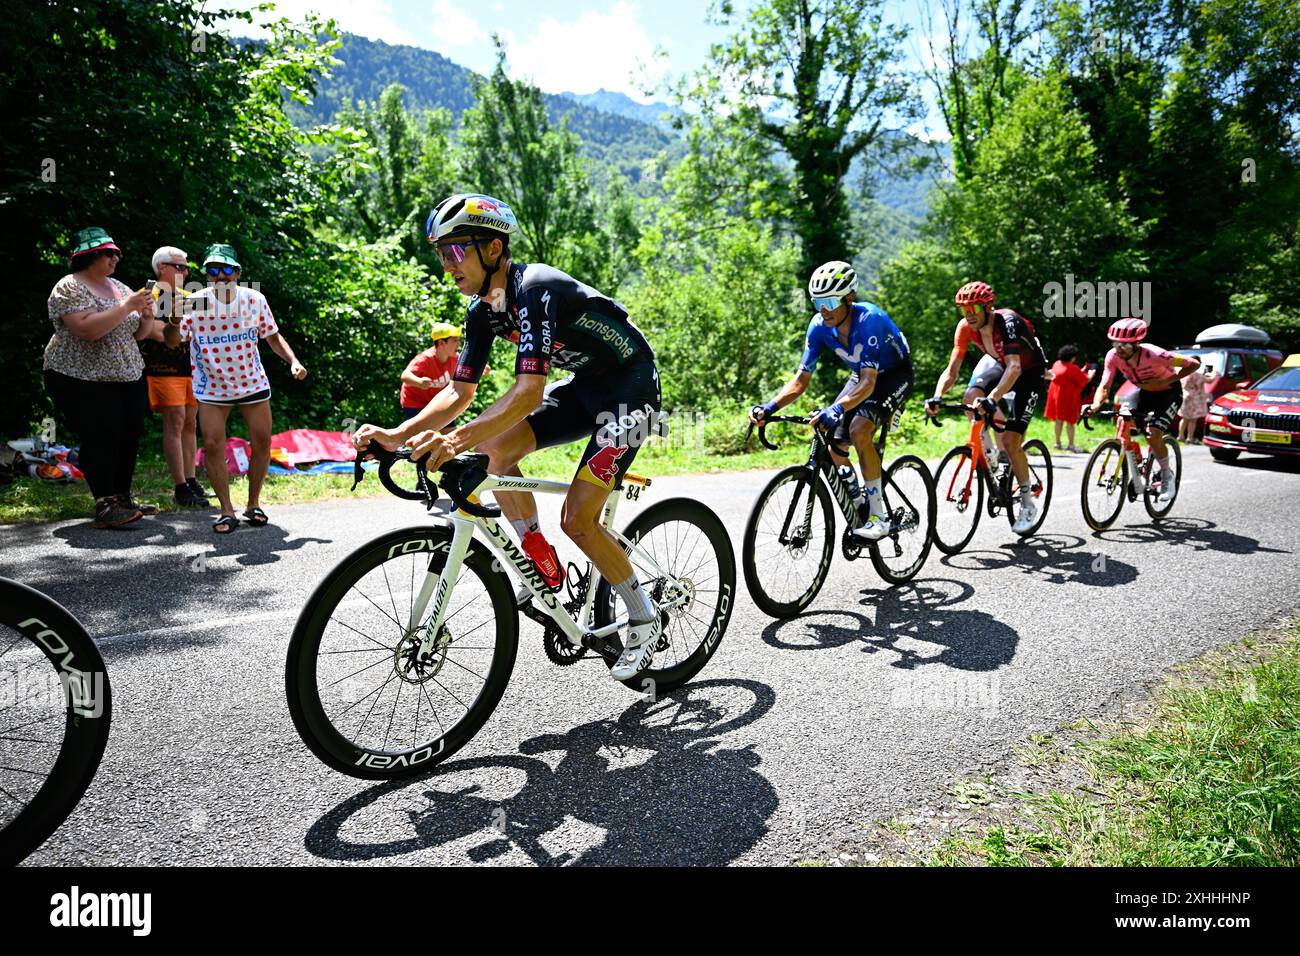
{"x":1224,"y":454}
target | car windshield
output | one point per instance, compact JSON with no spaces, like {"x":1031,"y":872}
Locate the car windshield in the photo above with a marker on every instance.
{"x":1212,"y":362}
{"x":1280,"y":379}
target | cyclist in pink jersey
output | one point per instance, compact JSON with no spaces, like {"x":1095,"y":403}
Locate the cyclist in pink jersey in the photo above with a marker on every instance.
{"x":1158,"y":375}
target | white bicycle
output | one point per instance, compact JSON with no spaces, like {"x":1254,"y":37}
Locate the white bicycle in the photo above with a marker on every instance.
{"x":404,"y":649}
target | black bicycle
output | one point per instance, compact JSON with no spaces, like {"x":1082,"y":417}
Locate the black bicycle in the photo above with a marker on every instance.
{"x":790,"y":536}
{"x":55,"y":710}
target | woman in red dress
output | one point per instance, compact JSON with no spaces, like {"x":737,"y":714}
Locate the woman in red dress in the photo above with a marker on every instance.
{"x":1064,"y":394}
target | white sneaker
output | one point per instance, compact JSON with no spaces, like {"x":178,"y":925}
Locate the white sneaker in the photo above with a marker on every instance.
{"x":1168,"y":489}
{"x":873,"y":529}
{"x":639,"y":650}
{"x":1025,"y":521}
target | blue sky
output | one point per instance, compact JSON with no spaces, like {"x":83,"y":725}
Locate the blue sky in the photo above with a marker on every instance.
{"x":561,"y":45}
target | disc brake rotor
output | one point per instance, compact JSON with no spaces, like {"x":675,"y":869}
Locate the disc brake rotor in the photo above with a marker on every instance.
{"x":410,"y":667}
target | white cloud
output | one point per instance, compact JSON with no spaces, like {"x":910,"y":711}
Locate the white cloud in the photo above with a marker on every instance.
{"x":451,"y":28}
{"x":597,"y":50}
{"x":371,"y":18}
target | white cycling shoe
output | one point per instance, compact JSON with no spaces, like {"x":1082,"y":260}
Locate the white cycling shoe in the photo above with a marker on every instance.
{"x":639,"y":650}
{"x":1168,"y":490}
{"x":873,"y":529}
{"x":1025,"y":520}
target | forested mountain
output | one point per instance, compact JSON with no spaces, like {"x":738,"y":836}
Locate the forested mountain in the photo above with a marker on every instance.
{"x":616,"y":131}
{"x":620,"y":104}
{"x":366,"y":67}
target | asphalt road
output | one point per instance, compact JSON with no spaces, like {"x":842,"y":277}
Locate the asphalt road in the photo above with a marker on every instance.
{"x":794,"y":737}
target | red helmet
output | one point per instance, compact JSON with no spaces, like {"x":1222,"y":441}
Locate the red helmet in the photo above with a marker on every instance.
{"x":1127,"y":330}
{"x":973,"y":293}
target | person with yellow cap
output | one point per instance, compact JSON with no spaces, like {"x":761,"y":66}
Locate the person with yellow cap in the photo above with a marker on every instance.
{"x":430,"y":371}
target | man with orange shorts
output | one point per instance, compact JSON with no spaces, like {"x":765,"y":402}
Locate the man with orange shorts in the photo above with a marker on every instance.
{"x":167,"y":372}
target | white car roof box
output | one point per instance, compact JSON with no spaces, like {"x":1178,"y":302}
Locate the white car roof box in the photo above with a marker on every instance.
{"x":1232,"y":333}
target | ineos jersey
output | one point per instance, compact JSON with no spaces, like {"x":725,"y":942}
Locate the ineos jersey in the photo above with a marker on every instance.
{"x":1012,"y":334}
{"x":555,"y":320}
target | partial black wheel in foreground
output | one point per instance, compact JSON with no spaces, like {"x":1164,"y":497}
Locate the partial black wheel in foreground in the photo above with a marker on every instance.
{"x":54,"y":718}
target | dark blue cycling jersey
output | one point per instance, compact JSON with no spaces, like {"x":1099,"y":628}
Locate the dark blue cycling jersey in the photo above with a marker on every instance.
{"x":875,"y":342}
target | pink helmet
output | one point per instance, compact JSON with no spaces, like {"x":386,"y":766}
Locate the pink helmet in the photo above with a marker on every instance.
{"x":1127,"y":330}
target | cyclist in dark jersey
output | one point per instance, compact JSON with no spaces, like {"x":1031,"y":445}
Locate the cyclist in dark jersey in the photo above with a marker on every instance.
{"x":612,"y":396}
{"x":1009,"y":337}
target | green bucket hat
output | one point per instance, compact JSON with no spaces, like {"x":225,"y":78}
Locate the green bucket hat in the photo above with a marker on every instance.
{"x":92,"y":240}
{"x":222,"y":254}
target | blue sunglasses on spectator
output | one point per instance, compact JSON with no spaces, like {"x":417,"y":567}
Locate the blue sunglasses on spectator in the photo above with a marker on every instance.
{"x":220,"y":270}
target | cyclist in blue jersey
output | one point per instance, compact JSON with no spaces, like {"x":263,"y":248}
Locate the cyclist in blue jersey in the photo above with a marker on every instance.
{"x":865,"y":339}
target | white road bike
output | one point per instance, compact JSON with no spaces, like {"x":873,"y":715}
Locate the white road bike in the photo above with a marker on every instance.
{"x":405,"y":648}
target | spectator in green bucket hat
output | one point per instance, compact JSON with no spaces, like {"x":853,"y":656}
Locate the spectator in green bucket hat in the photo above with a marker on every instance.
{"x":224,"y":324}
{"x":94,"y":373}
{"x":220,"y":254}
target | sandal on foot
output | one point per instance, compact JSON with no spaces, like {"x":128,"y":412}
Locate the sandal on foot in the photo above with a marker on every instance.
{"x":256,"y":517}
{"x":225,"y":524}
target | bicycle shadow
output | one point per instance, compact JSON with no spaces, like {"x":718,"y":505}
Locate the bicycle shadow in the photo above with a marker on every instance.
{"x":656,"y":782}
{"x":917,"y":612}
{"x":1058,"y":557}
{"x":1200,"y":534}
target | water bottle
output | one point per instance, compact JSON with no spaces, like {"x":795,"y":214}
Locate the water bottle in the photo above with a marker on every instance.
{"x":850,"y":479}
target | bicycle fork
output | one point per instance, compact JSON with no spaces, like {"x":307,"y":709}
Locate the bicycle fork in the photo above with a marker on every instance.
{"x":1137,"y":482}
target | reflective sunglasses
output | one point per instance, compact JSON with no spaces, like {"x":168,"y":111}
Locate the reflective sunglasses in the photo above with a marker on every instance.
{"x":453,"y":253}
{"x":215,"y":271}
{"x":830,"y":302}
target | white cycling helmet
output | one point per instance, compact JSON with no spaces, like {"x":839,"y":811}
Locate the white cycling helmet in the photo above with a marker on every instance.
{"x":832,"y":279}
{"x":467,"y":213}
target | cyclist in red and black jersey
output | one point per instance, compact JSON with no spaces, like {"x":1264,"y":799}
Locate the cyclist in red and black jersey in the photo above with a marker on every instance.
{"x":1010,"y":337}
{"x":612,"y":396}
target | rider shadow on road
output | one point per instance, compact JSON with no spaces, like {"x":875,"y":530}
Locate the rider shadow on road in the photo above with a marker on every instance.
{"x":916,"y":613}
{"x":1198,"y":533}
{"x":193,"y":532}
{"x":1058,"y":558}
{"x":653,"y":787}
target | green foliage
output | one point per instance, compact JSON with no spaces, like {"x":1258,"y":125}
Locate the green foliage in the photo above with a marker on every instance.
{"x":362,"y":316}
{"x":191,"y":146}
{"x":814,"y":81}
{"x":916,"y":289}
{"x":391,"y":167}
{"x":720,"y":317}
{"x":1033,"y":208}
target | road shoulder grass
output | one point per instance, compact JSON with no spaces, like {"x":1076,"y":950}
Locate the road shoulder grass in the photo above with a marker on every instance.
{"x":714,"y":447}
{"x":1201,"y":770}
